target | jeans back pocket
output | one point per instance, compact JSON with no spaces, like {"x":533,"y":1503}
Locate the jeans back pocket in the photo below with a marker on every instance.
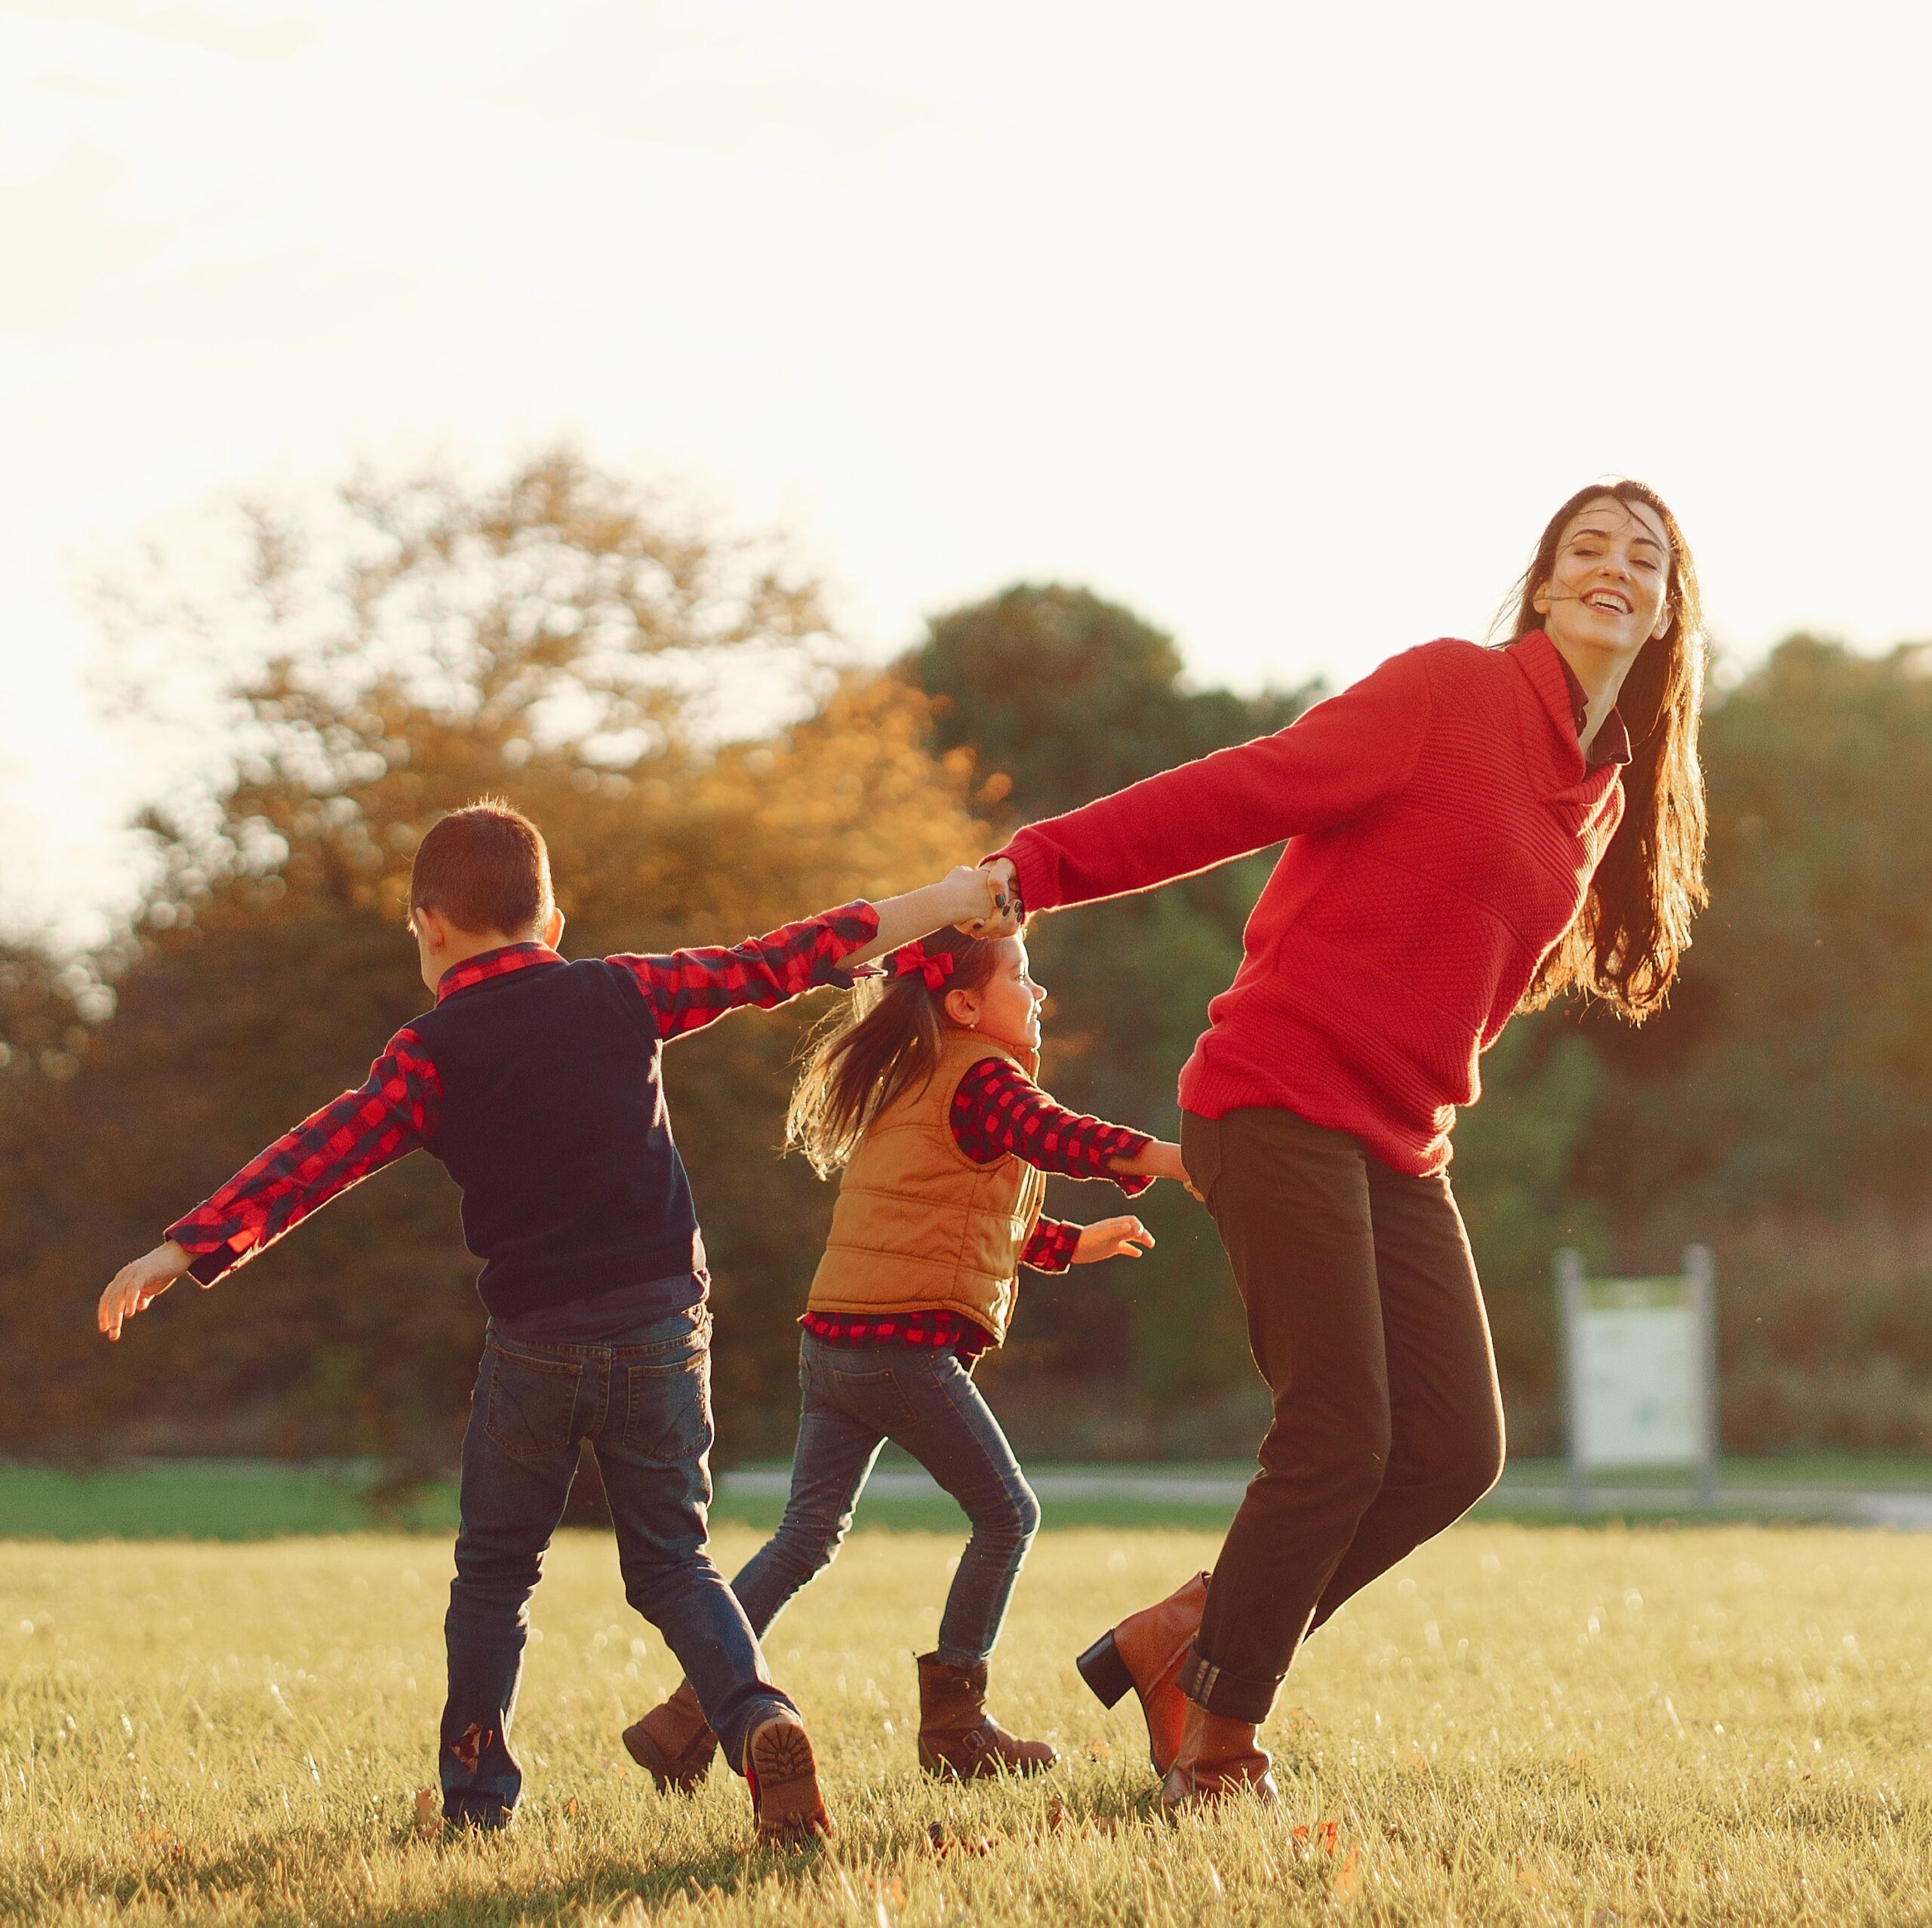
{"x":875,"y":1396}
{"x":667,"y":1410}
{"x":532,"y":1403}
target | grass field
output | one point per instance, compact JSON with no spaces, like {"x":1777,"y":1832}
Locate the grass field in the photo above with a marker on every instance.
{"x":243,"y":1500}
{"x":1555,"y":1725}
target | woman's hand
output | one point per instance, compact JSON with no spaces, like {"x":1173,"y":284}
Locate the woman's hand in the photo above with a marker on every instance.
{"x":135,"y":1287}
{"x":1004,"y":919}
{"x":1123,"y":1237}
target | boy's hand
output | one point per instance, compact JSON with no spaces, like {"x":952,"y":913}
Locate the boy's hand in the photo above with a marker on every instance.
{"x":962,"y":894}
{"x":1002,"y":919}
{"x":1124,"y":1238}
{"x":136,"y":1287}
{"x":971,"y":892}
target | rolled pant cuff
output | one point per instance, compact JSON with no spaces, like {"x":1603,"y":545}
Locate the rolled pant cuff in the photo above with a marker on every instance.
{"x":1233,"y":1696}
{"x":960,"y":1657}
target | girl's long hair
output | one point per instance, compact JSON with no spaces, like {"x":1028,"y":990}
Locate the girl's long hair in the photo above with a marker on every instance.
{"x":880,"y":1042}
{"x":1629,"y":939}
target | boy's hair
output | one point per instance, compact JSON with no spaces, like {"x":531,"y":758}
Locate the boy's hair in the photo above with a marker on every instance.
{"x":484,"y":867}
{"x":875,"y":1047}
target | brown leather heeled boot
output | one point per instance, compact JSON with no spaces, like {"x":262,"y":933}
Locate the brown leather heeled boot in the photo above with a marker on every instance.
{"x":673,"y":1743}
{"x":1144,"y":1653}
{"x":1219,"y":1758}
{"x":959,"y":1740}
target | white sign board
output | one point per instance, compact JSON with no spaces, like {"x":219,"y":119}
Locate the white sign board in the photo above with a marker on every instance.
{"x":1638,"y":1359}
{"x":1640,"y":1374}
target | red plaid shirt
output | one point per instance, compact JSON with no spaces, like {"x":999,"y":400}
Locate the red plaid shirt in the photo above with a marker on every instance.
{"x":999,"y":1112}
{"x":397,"y":1107}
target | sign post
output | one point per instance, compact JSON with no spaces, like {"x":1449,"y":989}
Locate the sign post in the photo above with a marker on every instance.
{"x":1640,"y":1371}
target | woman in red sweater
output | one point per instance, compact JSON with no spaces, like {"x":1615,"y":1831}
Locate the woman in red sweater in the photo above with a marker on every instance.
{"x":1472,"y":831}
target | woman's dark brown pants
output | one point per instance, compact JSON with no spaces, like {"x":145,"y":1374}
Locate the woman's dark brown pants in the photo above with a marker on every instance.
{"x":1366,"y":1319}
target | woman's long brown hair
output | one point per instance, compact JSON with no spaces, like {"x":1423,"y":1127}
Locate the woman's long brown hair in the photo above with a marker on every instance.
{"x":883,"y":1040}
{"x":1631,"y":935}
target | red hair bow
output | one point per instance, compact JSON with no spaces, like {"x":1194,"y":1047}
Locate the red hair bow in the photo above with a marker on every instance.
{"x":935,"y":966}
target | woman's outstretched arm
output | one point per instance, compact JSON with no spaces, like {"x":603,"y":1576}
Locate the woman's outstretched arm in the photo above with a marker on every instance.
{"x":1327,"y":767}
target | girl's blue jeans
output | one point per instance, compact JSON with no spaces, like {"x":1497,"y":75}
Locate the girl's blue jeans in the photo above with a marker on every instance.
{"x":853,"y":1398}
{"x":644,"y":1402}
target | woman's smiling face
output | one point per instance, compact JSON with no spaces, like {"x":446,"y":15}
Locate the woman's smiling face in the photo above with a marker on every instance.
{"x":1606,"y":592}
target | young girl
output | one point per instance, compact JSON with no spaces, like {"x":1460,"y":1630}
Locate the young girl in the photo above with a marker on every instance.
{"x":921,"y":1090}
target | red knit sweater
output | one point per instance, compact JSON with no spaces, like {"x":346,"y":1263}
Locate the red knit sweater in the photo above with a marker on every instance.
{"x":1444,"y":828}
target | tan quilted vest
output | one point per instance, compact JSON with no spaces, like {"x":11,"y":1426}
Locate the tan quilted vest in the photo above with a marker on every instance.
{"x":917,"y":1223}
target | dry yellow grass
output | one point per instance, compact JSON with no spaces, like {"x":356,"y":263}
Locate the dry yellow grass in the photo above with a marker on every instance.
{"x":1557,"y":1725}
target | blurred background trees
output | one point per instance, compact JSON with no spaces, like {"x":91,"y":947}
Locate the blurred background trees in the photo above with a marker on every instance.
{"x":669,"y":702}
{"x":560,"y":640}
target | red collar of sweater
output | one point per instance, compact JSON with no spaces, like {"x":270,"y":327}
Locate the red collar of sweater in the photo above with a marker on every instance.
{"x":1556,"y":684}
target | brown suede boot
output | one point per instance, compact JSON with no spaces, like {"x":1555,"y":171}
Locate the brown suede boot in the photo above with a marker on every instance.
{"x":1144,"y":1653}
{"x":783,"y":1779}
{"x":959,"y":1740}
{"x":673,"y":1744}
{"x":1219,"y":1758}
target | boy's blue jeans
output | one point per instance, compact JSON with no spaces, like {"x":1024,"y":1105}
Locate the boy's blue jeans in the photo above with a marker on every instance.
{"x":854,"y":1399}
{"x":644,"y":1402}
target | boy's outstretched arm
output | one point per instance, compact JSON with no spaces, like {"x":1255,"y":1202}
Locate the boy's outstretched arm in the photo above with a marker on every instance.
{"x":395,"y":1110}
{"x":689,"y":988}
{"x":963,"y":896}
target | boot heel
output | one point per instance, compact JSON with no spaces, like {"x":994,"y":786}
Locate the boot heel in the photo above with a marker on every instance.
{"x":1103,"y":1670}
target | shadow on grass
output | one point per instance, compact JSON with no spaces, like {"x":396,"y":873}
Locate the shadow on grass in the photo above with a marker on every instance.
{"x":335,"y":1878}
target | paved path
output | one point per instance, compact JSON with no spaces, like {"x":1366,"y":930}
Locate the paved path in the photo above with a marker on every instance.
{"x":1911,"y":1511}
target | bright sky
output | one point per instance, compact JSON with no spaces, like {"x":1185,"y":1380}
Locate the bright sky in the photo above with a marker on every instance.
{"x":1287,"y":325}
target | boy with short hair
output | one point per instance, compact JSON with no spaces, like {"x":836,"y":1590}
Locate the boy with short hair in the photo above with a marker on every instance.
{"x":537,"y":1083}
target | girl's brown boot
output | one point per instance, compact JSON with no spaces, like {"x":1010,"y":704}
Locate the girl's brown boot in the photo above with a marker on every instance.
{"x":1218,"y":1757}
{"x":959,"y":1740}
{"x":673,"y":1743}
{"x":1144,"y":1653}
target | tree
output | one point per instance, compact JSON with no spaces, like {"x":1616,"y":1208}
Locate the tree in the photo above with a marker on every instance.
{"x":1062,"y":697}
{"x":556,"y":637}
{"x":1793,"y":1072}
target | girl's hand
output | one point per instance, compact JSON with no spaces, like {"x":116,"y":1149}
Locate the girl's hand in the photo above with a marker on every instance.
{"x":1002,"y":919}
{"x":1124,"y":1238}
{"x":1158,"y":1158}
{"x":135,"y":1287}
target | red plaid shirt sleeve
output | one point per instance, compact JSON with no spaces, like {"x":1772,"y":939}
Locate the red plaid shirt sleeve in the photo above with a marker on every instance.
{"x":997,"y":1109}
{"x":1050,"y":1248}
{"x":687,"y":989}
{"x":394,"y":1112}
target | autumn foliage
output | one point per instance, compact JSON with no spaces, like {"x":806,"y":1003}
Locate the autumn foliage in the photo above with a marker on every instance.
{"x":707,"y":758}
